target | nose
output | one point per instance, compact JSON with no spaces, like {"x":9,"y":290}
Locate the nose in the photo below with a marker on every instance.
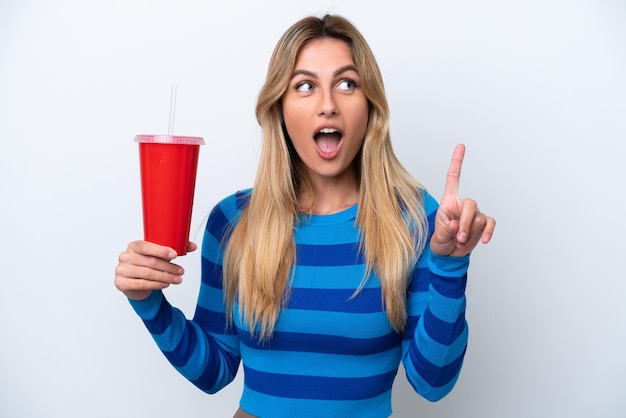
{"x":327,"y":104}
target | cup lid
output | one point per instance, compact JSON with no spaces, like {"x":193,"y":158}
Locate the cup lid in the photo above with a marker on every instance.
{"x":169,"y":139}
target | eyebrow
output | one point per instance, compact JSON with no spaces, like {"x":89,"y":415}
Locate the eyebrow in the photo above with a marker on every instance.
{"x":335,"y":74}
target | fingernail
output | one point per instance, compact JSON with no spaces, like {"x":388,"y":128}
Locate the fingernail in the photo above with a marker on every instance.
{"x":172,"y":255}
{"x":178,"y":280}
{"x":180,"y":270}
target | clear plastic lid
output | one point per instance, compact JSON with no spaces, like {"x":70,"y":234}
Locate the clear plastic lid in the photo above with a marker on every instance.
{"x":170,"y":139}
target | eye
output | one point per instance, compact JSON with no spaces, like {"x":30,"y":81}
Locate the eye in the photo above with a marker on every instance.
{"x":347,"y":85}
{"x":304,"y":86}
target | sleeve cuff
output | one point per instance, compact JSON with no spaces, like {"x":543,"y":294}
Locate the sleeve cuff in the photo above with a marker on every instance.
{"x":447,"y":266}
{"x":149,"y":307}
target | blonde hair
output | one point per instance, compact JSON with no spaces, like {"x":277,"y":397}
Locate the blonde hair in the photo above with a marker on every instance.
{"x":261,"y":251}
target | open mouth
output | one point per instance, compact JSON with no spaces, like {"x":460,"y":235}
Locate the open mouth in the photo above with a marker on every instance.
{"x":327,"y":140}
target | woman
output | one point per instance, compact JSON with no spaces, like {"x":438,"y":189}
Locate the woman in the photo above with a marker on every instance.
{"x":335,"y":266}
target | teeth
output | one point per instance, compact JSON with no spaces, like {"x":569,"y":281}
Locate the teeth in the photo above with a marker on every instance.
{"x":328,"y":131}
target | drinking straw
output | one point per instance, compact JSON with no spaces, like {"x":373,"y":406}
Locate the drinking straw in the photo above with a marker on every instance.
{"x":170,"y":129}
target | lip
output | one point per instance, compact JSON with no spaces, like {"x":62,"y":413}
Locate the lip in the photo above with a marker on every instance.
{"x":328,"y":155}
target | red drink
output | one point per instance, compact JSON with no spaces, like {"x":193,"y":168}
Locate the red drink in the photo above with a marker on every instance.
{"x":168,"y":178}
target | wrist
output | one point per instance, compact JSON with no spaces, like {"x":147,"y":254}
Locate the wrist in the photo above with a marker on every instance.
{"x":137,"y":295}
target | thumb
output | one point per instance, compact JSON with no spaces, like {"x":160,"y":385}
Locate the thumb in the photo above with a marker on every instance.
{"x":443,"y":241}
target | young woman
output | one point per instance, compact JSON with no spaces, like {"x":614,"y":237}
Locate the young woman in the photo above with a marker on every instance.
{"x":335,"y":266}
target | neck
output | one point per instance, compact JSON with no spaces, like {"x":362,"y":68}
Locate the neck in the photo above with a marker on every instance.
{"x":330,"y":195}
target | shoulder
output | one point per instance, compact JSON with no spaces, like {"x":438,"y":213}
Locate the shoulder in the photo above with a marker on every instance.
{"x":234,"y":204}
{"x":226,"y":212}
{"x":430,"y":203}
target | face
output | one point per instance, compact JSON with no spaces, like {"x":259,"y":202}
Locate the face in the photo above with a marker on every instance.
{"x":325,"y":110}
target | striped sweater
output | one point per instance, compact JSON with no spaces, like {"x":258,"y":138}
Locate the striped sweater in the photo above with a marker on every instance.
{"x":331,"y":354}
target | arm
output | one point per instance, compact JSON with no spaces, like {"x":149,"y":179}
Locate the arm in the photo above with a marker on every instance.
{"x":436,"y":336}
{"x":204,"y":350}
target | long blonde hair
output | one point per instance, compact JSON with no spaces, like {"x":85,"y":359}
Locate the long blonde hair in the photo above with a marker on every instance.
{"x":261,"y":250}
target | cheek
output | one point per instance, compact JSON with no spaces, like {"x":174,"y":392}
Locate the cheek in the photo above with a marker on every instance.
{"x":361,"y":121}
{"x":294,"y":119}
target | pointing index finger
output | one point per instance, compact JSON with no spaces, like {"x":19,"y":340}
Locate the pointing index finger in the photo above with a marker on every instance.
{"x":454,"y":172}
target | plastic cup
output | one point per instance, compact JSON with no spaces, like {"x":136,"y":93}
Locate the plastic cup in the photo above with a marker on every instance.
{"x":168,"y":166}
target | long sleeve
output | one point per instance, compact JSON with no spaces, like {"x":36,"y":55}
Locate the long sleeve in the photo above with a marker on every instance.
{"x":333,"y":351}
{"x":435,"y":340}
{"x":205,"y":349}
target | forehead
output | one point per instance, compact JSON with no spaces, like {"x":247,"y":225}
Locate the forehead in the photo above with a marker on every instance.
{"x":323,"y":53}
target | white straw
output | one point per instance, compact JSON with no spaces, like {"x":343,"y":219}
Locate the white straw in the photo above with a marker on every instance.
{"x":170,"y":129}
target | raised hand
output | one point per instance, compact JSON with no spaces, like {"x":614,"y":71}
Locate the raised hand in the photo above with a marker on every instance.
{"x":459,"y":224}
{"x":145,"y":267}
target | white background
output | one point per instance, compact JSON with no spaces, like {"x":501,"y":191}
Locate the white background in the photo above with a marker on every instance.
{"x":536,"y":90}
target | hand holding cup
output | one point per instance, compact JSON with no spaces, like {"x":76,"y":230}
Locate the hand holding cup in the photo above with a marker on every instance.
{"x":146,"y":266}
